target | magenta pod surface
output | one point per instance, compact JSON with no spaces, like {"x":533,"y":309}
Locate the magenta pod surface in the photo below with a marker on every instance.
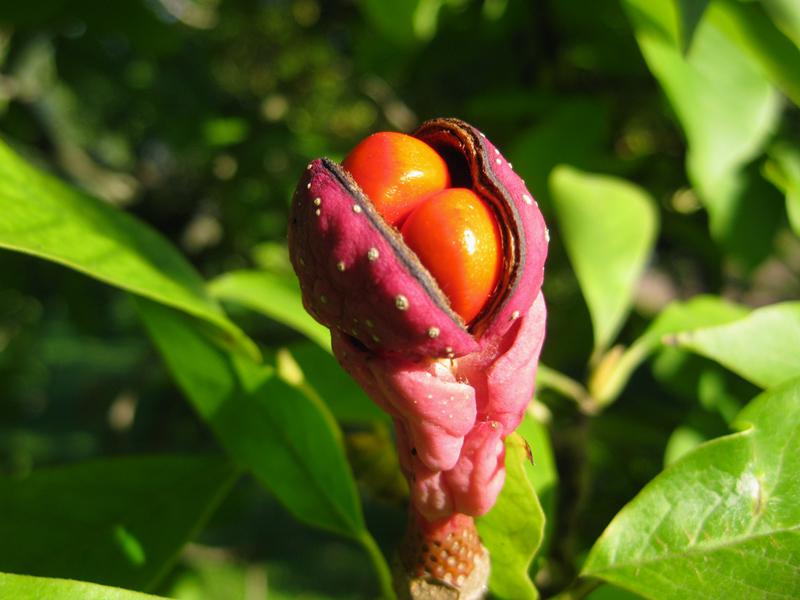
{"x":454,"y":390}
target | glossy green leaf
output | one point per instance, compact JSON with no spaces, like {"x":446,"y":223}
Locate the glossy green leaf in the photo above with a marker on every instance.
{"x":608,"y":227}
{"x":290,"y":442}
{"x":346,"y":400}
{"x":24,"y":587}
{"x":114,"y":521}
{"x":723,"y":522}
{"x":746,"y":24}
{"x":701,"y":311}
{"x":41,"y":216}
{"x":726,"y":107}
{"x":762,"y":347}
{"x":274,"y":295}
{"x":783,"y":169}
{"x":513,"y":530}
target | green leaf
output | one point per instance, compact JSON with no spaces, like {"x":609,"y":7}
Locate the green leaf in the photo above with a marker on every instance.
{"x":724,"y":103}
{"x":762,"y":347}
{"x":46,"y":218}
{"x":346,"y":400}
{"x":723,"y":522}
{"x":610,"y":592}
{"x":707,"y":387}
{"x":690,"y":13}
{"x":513,"y":530}
{"x":609,"y":227}
{"x":701,"y":311}
{"x":747,"y":25}
{"x":786,"y":16}
{"x":288,"y":439}
{"x":291,"y":443}
{"x":115,"y":521}
{"x":274,"y":295}
{"x":783,"y":169}
{"x":24,"y":587}
{"x":543,"y":474}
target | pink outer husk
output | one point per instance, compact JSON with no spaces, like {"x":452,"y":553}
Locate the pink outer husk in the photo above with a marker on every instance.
{"x":451,"y":416}
{"x":454,"y":392}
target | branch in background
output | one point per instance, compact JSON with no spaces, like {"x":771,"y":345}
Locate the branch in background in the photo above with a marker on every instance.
{"x":566,"y":386}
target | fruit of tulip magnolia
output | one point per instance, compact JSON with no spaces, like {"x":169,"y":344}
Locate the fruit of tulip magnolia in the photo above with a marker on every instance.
{"x":455,"y":380}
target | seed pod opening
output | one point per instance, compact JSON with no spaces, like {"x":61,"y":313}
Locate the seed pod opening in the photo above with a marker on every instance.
{"x":359,"y":277}
{"x":474,"y":162}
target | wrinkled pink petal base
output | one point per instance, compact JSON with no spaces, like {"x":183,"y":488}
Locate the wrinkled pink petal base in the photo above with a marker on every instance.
{"x":451,"y":416}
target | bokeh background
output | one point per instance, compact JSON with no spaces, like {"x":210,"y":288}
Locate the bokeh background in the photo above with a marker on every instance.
{"x":198,"y":116}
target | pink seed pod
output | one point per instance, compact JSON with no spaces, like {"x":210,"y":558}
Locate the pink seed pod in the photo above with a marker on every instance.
{"x":454,"y":390}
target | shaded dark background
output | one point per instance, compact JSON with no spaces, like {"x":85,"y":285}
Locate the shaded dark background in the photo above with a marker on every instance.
{"x":198,"y":117}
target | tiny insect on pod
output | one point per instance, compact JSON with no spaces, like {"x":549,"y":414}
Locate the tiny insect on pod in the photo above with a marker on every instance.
{"x":455,"y":380}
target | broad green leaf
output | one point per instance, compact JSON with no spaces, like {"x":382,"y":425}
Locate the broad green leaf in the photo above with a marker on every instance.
{"x":608,"y":226}
{"x":290,"y":442}
{"x":41,"y":216}
{"x":762,"y":347}
{"x":723,"y":522}
{"x":543,"y":474}
{"x":513,"y":530}
{"x":724,"y":103}
{"x":346,"y":400}
{"x":274,"y":295}
{"x":747,"y":25}
{"x":701,"y":311}
{"x":115,"y":521}
{"x":690,"y":12}
{"x":748,"y":216}
{"x":783,"y":169}
{"x":786,"y":16}
{"x":24,"y":587}
{"x":287,"y":438}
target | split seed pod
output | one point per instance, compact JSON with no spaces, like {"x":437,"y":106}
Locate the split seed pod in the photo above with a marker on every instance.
{"x":454,"y":389}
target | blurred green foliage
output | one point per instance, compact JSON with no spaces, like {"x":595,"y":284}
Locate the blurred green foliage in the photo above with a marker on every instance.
{"x":197,"y":117}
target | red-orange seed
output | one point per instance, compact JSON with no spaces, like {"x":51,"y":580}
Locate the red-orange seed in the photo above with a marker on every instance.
{"x":456,"y":236}
{"x":397,"y":172}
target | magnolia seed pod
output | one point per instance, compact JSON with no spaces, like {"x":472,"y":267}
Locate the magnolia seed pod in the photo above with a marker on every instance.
{"x":359,"y":278}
